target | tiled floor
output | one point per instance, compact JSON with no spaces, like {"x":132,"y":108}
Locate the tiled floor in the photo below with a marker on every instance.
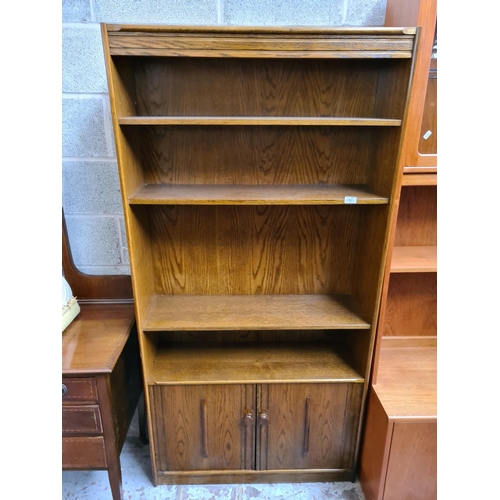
{"x":136,"y":472}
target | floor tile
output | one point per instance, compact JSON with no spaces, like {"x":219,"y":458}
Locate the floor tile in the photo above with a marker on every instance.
{"x":137,"y":485}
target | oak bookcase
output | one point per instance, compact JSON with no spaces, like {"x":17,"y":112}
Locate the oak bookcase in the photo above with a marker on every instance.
{"x":258,"y":169}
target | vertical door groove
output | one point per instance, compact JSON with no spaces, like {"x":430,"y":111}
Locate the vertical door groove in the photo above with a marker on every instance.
{"x":204,"y":438}
{"x":307,"y":425}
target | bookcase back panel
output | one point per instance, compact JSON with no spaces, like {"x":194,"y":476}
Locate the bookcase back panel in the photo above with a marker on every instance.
{"x":369,"y":272}
{"x":170,"y":86}
{"x":201,"y":250}
{"x":172,"y":337}
{"x":255,"y":155}
{"x":411,"y":308}
{"x":417,"y":216}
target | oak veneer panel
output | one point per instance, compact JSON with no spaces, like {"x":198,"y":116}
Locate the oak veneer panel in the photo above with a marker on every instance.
{"x":191,"y":437}
{"x":256,"y":312}
{"x":261,"y":42}
{"x":229,"y":336}
{"x":245,"y":363}
{"x":414,"y":259}
{"x":258,"y":120}
{"x":247,"y":88}
{"x":167,"y":43}
{"x":263,"y":250}
{"x":260,"y":267}
{"x":255,"y":476}
{"x":310,"y":426}
{"x":411,"y":307}
{"x":173,"y":194}
{"x":250,"y":155}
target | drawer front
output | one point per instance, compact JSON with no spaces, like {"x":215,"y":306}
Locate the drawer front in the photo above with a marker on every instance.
{"x":79,"y":389}
{"x":83,"y":452}
{"x":81,"y":420}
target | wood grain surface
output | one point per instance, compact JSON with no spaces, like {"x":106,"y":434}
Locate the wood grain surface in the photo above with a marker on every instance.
{"x":94,"y":340}
{"x":234,"y":113}
{"x":428,"y":142}
{"x":417,"y":216}
{"x":253,"y":155}
{"x":178,"y":426}
{"x":253,"y":363}
{"x":251,"y":42}
{"x":414,"y":259}
{"x":263,"y":250}
{"x":411,"y":307}
{"x":266,"y":194}
{"x":407,"y":381}
{"x":412,"y":467}
{"x":325,"y":415}
{"x":418,"y":179}
{"x":239,"y":89}
{"x":255,"y":312}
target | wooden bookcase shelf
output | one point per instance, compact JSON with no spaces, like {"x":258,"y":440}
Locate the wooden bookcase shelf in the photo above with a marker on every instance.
{"x":252,"y":312}
{"x":414,"y":259}
{"x":417,"y":179}
{"x":270,"y":194}
{"x":253,"y":363}
{"x":257,"y":120}
{"x":258,"y":168}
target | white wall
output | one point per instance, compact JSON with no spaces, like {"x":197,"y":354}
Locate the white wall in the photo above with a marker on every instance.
{"x":91,"y":191}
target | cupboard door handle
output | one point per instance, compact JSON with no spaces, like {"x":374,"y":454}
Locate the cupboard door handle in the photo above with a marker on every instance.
{"x":204,"y":444}
{"x":263,"y":418}
{"x":248,"y":418}
{"x":307,"y":425}
{"x":64,"y":389}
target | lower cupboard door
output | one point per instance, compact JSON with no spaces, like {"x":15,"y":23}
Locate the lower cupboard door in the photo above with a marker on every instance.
{"x":203,"y":427}
{"x":307,"y":426}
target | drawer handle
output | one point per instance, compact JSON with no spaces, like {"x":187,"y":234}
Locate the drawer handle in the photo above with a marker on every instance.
{"x":64,"y":390}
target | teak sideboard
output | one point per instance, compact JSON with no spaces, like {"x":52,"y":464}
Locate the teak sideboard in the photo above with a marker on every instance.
{"x":398,"y":459}
{"x":258,"y":168}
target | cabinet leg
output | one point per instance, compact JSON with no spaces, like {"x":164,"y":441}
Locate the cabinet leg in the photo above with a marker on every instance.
{"x":143,"y":428}
{"x":115,"y":480}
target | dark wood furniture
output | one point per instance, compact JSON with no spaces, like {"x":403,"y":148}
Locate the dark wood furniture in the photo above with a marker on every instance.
{"x":101,"y":379}
{"x":258,"y":169}
{"x":398,"y":457}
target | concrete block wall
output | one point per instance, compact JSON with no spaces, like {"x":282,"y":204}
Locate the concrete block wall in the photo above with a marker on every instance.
{"x":90,"y":186}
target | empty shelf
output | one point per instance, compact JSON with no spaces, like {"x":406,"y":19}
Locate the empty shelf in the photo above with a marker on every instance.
{"x":171,"y":194}
{"x":414,"y":259}
{"x":252,"y":312}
